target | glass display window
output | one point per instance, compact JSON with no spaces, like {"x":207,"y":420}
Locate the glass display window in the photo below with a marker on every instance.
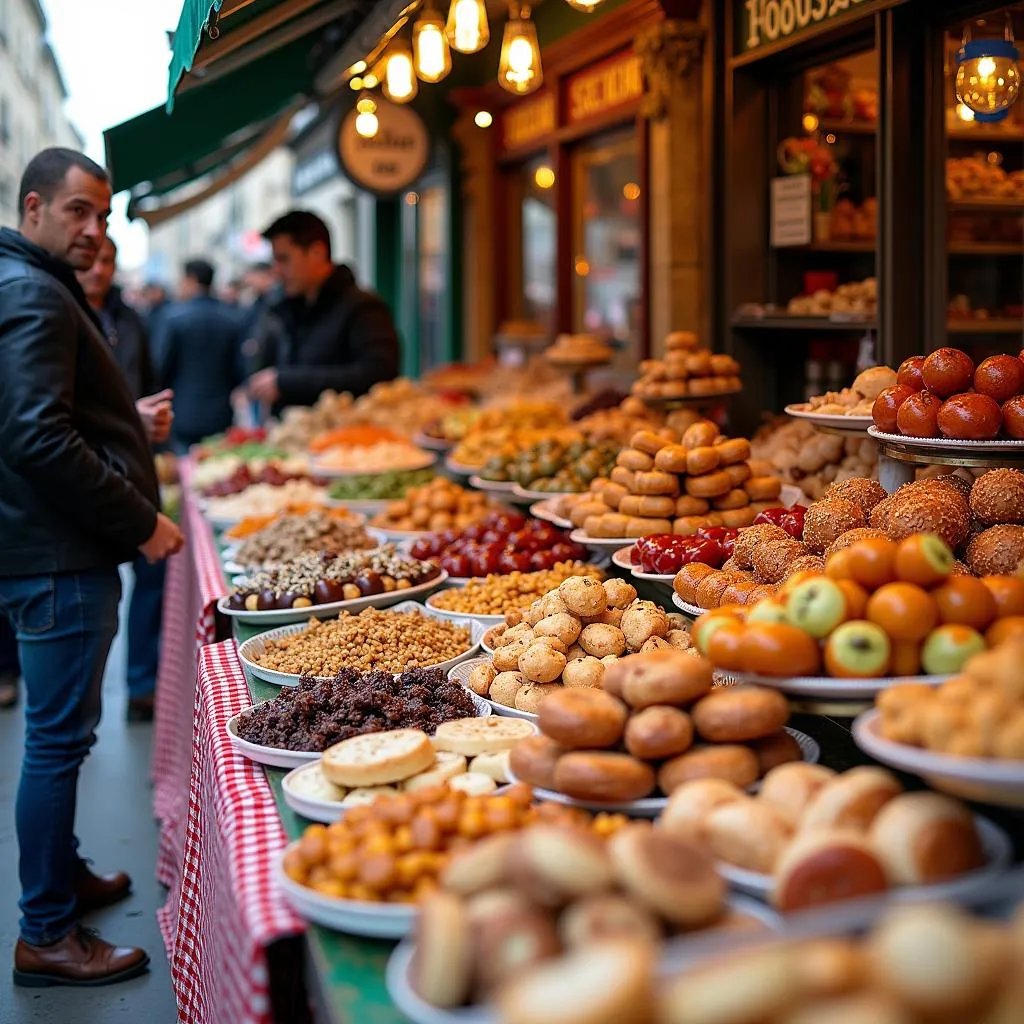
{"x":538,"y":231}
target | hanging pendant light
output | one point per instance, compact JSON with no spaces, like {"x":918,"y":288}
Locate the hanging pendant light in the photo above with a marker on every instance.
{"x":988,"y":75}
{"x":432,"y":57}
{"x":400,"y":84}
{"x":519,"y":69}
{"x":367,"y":124}
{"x":586,"y":6}
{"x":467,"y":27}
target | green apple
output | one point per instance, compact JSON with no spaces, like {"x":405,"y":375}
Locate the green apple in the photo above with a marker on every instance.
{"x":858,"y":650}
{"x":702,"y":631}
{"x":769,"y":611}
{"x":947,"y":649}
{"x":816,"y":606}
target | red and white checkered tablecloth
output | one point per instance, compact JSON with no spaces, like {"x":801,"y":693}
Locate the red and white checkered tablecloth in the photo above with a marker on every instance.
{"x":219,"y":921}
{"x":193,"y":584}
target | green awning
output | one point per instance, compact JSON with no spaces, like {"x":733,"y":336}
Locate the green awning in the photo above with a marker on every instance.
{"x":188,"y":37}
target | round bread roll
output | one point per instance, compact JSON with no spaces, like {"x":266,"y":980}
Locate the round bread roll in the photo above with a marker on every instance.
{"x":672,"y":458}
{"x":481,"y":866}
{"x":831,"y":967}
{"x":734,"y":714}
{"x":533,"y":761}
{"x":710,"y":485}
{"x":582,"y":719}
{"x":553,"y":864}
{"x":690,"y":804}
{"x":658,"y":732}
{"x":640,"y":621}
{"x":791,"y":787}
{"x":441,"y":970}
{"x":505,"y":687}
{"x":508,"y":941}
{"x":530,"y":696}
{"x":603,"y":777}
{"x":472,"y":736}
{"x":481,"y":677}
{"x":660,"y":677}
{"x":776,"y":749}
{"x":824,"y":866}
{"x":618,"y":593}
{"x":701,"y":460}
{"x":563,"y":626}
{"x":607,"y":916}
{"x":733,"y":452}
{"x":676,"y":878}
{"x":699,"y":434}
{"x":634,"y":459}
{"x":855,"y":1008}
{"x":748,"y":834}
{"x":583,"y":595}
{"x":608,"y":982}
{"x":601,"y":639}
{"x":924,"y":838}
{"x":586,"y":672}
{"x":688,"y":579}
{"x":375,"y":759}
{"x":851,"y":800}
{"x":763,"y":488}
{"x":648,"y":441}
{"x":687,"y":506}
{"x":726,"y":761}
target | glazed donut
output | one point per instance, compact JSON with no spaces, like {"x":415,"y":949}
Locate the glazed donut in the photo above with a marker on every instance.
{"x":682,"y":341}
{"x":737,"y":518}
{"x":623,"y":476}
{"x":643,"y":526}
{"x":689,"y":506}
{"x":656,"y":482}
{"x":655,"y":506}
{"x":698,"y":364}
{"x":634,"y":459}
{"x":736,"y":498}
{"x":647,"y":441}
{"x":739,"y":473}
{"x":711,"y":485}
{"x":671,"y":459}
{"x":687,"y":526}
{"x":763,"y":488}
{"x":702,"y":460}
{"x":700,"y":434}
{"x":612,"y":494}
{"x":733,"y":450}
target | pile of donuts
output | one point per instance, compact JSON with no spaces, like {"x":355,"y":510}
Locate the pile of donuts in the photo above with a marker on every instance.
{"x":687,"y":370}
{"x":662,"y":484}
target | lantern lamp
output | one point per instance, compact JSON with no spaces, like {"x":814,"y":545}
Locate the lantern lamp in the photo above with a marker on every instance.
{"x":468,"y":30}
{"x":399,"y":83}
{"x":366,"y":124}
{"x":988,"y":76}
{"x":519,"y":68}
{"x":430,"y":50}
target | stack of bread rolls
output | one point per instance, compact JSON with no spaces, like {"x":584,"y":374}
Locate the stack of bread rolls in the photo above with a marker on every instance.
{"x":687,"y":370}
{"x":654,"y":725}
{"x":664,"y":486}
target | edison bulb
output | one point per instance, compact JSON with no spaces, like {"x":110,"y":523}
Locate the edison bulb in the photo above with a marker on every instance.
{"x":586,"y":6}
{"x":399,"y":77}
{"x":520,"y":58}
{"x":468,"y":30}
{"x":519,"y":68}
{"x":432,"y":57}
{"x":988,"y":77}
{"x":367,"y":124}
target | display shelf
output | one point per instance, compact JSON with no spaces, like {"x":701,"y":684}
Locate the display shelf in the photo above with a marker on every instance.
{"x":986,"y":249}
{"x":986,"y":205}
{"x":840,"y":127}
{"x":853,"y":245}
{"x":994,"y":133}
{"x":996,"y":325}
{"x":802,"y":323}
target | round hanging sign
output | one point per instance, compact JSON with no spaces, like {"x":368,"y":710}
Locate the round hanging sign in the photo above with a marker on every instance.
{"x":394,"y":158}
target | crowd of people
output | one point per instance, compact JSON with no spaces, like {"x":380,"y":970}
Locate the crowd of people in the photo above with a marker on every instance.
{"x":89,"y":386}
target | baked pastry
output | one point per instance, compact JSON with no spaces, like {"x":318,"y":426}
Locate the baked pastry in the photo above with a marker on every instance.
{"x":375,"y":759}
{"x":826,"y":865}
{"x":659,"y":677}
{"x":508,"y":940}
{"x":441,"y":969}
{"x":851,"y":800}
{"x":658,"y":732}
{"x":688,"y":578}
{"x":690,"y":804}
{"x":924,"y":838}
{"x":607,"y":916}
{"x":603,"y":777}
{"x":533,"y":761}
{"x":791,"y":787}
{"x":749,"y":834}
{"x":675,"y":878}
{"x":581,"y":719}
{"x":479,"y":867}
{"x":734,"y":714}
{"x":776,"y":749}
{"x":472,"y":736}
{"x":733,"y":763}
{"x":553,"y":865}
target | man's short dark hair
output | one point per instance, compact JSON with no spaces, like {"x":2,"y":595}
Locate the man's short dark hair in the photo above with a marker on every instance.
{"x":47,"y":170}
{"x":201,"y":272}
{"x":260,"y":267}
{"x":303,"y":228}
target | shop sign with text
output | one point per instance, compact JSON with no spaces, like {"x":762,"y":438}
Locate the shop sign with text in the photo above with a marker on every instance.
{"x":394,"y":158}
{"x":529,"y":121}
{"x":762,"y":22}
{"x":605,"y":87}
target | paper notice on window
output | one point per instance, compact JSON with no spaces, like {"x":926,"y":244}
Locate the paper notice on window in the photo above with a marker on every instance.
{"x":791,"y":210}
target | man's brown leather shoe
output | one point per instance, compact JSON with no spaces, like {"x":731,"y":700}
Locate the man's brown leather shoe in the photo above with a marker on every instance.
{"x":80,"y":958}
{"x":96,"y":891}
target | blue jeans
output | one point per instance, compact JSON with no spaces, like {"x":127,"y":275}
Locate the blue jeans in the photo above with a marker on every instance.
{"x":64,"y":624}
{"x":145,"y":614}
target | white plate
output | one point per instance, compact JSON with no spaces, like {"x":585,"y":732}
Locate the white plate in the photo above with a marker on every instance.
{"x":460,"y":468}
{"x":495,"y":486}
{"x":545,"y":510}
{"x":995,"y":842}
{"x":484,"y":645}
{"x":400,"y":536}
{"x":255,"y":645}
{"x":355,"y":917}
{"x":540,"y":496}
{"x":276,"y":757}
{"x":423,"y":460}
{"x":653,"y":577}
{"x":652,"y":806}
{"x":484,"y":620}
{"x":287,"y":616}
{"x":432,"y":444}
{"x":691,"y":609}
{"x":460,"y":674}
{"x":607,"y":545}
{"x":971,"y":778}
{"x":947,"y":444}
{"x":849,"y":424}
{"x":833,"y":689}
{"x":621,"y":557}
{"x":233,"y":567}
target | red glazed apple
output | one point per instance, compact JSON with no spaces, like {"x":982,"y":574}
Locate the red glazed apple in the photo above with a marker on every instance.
{"x":919,"y":415}
{"x":999,"y":377}
{"x":909,"y":373}
{"x":970,"y":418}
{"x":888,"y":403}
{"x":948,"y":371}
{"x":1013,"y":418}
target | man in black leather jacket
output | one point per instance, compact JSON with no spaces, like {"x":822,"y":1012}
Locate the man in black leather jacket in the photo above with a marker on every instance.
{"x":327,"y":332}
{"x":78,"y":495}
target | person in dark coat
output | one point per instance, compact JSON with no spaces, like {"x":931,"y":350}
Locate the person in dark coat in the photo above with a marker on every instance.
{"x":197,"y":346}
{"x":327,"y":332}
{"x":129,"y":341}
{"x":78,"y":496}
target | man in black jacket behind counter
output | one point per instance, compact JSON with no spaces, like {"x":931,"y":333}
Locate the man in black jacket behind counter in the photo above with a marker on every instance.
{"x":78,"y":495}
{"x":327,"y":332}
